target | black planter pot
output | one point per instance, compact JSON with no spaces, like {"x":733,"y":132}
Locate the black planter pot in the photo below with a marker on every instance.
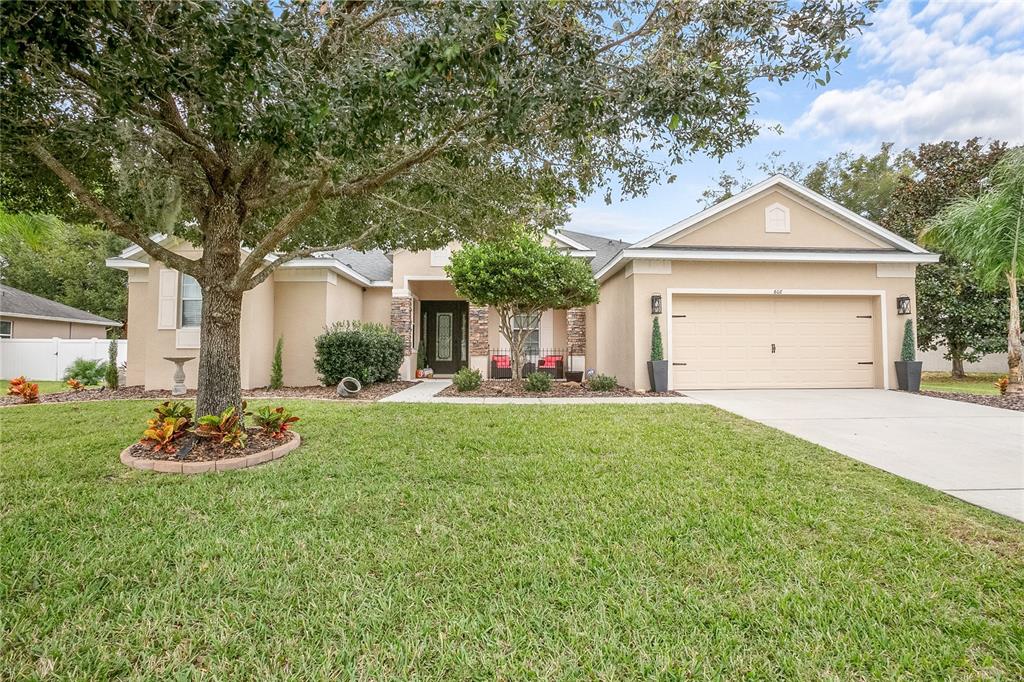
{"x":908,"y":375}
{"x":574,"y":376}
{"x":657,"y":372}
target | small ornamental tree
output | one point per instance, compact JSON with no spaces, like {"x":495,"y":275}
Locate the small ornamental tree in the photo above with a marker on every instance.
{"x":657,"y":350}
{"x":111,"y":374}
{"x":276,"y":366}
{"x":908,"y":352}
{"x":520,"y":278}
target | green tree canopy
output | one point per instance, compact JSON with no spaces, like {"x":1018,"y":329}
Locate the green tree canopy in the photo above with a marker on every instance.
{"x":68,"y":266}
{"x":520,"y":278}
{"x":987,"y":231}
{"x":292,"y":127}
{"x":954,"y":312}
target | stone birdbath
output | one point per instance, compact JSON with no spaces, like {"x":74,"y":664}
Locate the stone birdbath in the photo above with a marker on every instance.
{"x":179,"y":375}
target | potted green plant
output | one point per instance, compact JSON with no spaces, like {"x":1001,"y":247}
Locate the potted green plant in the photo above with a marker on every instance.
{"x":657,"y":367}
{"x":908,"y":368}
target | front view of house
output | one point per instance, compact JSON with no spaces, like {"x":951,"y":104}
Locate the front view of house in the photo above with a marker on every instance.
{"x":777,"y":287}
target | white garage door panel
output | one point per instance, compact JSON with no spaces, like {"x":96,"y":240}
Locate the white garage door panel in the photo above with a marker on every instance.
{"x":726,"y":342}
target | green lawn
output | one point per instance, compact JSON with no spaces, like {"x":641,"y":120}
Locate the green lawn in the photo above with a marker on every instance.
{"x":44,"y":386}
{"x":452,"y":542}
{"x":980,"y":383}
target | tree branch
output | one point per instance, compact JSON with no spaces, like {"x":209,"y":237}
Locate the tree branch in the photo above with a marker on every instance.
{"x":633,"y":34}
{"x":112,"y":220}
{"x":279,"y":232}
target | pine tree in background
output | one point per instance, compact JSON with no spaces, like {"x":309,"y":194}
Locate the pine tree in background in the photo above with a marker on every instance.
{"x":276,"y":368}
{"x":657,"y":352}
{"x":111,"y":376}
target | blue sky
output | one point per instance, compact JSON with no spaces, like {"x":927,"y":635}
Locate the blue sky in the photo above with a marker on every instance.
{"x":922,"y":72}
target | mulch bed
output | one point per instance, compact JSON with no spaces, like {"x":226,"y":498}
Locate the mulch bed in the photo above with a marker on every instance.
{"x":1007,"y":402}
{"x":559,"y":389}
{"x":371,"y":392}
{"x":205,"y":450}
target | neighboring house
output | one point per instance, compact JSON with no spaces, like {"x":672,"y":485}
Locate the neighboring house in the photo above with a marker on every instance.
{"x":775,"y":287}
{"x":27,"y":316}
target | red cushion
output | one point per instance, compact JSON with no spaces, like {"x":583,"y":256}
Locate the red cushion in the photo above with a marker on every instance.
{"x":550,"y":361}
{"x":502,"y":361}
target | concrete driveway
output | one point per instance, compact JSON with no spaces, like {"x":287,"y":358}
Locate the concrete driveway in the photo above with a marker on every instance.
{"x":969,"y":451}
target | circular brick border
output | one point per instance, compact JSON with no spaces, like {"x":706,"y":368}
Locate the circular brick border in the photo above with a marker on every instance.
{"x":171,"y":466}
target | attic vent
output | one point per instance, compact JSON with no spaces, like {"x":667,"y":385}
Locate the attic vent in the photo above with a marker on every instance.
{"x":776,"y":218}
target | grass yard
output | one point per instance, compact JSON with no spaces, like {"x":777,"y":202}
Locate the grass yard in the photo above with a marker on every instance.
{"x":453,"y":542}
{"x":979,"y":383}
{"x":44,"y":386}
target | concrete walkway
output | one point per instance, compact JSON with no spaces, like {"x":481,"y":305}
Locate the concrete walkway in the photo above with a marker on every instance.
{"x":970,"y":451}
{"x":426,"y":392}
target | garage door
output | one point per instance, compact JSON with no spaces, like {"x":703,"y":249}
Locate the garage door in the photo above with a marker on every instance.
{"x":773,"y":342}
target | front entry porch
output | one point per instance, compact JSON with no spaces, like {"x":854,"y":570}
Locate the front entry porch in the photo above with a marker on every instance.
{"x":445,"y":332}
{"x":445,"y":335}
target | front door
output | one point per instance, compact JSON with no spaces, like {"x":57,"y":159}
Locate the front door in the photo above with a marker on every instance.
{"x":446,"y":334}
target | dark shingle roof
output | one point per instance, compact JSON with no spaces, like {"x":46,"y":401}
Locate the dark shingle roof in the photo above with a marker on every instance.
{"x":605,"y":247}
{"x":373,"y":265}
{"x":17,"y":302}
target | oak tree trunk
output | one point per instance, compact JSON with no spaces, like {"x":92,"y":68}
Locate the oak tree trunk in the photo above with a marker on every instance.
{"x":1013,"y":344}
{"x":220,"y":381}
{"x":958,"y":367}
{"x":220,"y":384}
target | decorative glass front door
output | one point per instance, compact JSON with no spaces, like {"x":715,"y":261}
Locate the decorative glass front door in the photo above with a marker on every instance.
{"x":445,"y":326}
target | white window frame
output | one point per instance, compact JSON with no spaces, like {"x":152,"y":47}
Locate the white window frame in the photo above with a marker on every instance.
{"x":182,"y":299}
{"x":10,"y":329}
{"x":535,"y":329}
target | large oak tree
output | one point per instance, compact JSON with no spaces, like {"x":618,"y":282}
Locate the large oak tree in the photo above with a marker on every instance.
{"x":292,"y":127}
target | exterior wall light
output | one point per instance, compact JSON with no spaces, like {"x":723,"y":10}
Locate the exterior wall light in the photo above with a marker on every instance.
{"x":656,"y":304}
{"x":902,"y":305}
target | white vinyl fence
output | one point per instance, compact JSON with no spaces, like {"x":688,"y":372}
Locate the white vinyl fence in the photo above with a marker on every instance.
{"x":48,"y":359}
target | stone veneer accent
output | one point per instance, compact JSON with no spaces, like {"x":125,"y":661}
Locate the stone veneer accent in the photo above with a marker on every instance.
{"x":401,"y":320}
{"x":576,"y":330}
{"x":172,"y":466}
{"x":479,"y":339}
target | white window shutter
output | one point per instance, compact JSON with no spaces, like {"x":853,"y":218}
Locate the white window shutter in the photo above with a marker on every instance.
{"x":167,"y":306}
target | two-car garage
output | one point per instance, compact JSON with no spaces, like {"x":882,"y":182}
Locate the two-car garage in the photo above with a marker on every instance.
{"x":773,"y":341}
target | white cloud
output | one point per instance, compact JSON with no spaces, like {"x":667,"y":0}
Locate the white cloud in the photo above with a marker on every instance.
{"x":947,"y":72}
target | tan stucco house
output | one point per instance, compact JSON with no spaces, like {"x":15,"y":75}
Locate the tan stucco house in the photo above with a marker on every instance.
{"x":27,"y":316}
{"x":774,"y":287}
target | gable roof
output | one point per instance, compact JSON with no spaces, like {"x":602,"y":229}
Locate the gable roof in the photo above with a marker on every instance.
{"x":777,"y":181}
{"x":898,"y":249}
{"x":18,"y":303}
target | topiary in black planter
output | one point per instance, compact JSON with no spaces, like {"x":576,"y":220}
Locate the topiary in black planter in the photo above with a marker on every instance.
{"x":908,"y":370}
{"x":657,"y":367}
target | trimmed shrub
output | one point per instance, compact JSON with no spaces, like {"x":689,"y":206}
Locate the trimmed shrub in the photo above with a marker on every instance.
{"x":908,"y":352}
{"x":276,"y":366}
{"x":602,"y":382}
{"x":538,"y":382}
{"x":89,"y":372}
{"x":369,"y":352}
{"x":657,"y":350}
{"x":111,"y":370}
{"x":467,"y":379}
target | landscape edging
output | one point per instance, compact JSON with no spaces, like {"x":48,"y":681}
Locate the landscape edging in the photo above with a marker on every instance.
{"x":178,"y":467}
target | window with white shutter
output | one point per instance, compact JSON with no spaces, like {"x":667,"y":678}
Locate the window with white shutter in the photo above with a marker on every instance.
{"x":167,"y":305}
